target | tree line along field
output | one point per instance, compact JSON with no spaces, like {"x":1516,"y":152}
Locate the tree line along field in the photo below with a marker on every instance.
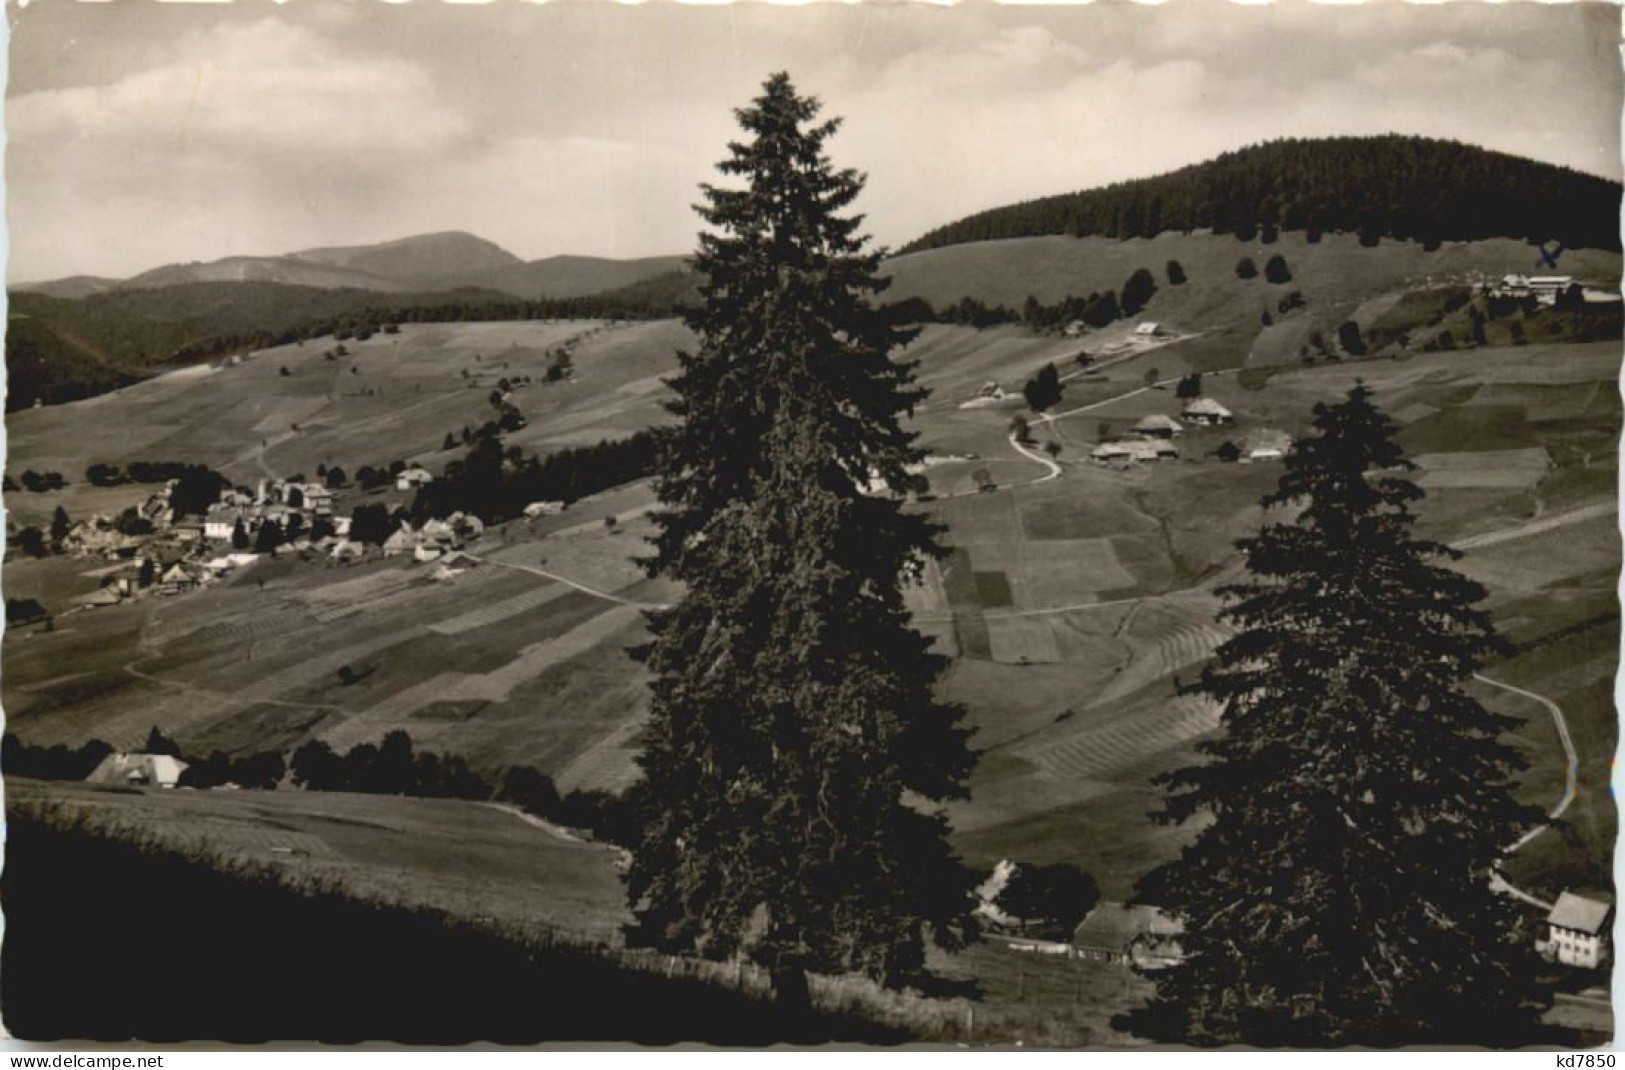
{"x":1071,"y":606}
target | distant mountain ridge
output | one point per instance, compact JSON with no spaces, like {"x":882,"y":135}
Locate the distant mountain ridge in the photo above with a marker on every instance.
{"x":1388,"y":186}
{"x":424,"y":260}
{"x":445,"y":260}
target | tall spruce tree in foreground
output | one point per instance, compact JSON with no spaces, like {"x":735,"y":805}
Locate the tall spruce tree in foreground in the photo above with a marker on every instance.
{"x":1359,"y":798}
{"x":795,"y":748}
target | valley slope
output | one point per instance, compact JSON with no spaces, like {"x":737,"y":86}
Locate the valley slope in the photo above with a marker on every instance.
{"x":1073,"y":599}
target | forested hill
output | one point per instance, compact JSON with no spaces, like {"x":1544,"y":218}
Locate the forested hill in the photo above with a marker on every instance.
{"x":59,"y":349}
{"x":1390,"y":186}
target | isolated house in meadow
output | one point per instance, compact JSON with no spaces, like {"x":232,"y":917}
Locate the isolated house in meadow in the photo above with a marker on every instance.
{"x":1111,"y":453}
{"x":103,"y":596}
{"x":538,"y":509}
{"x":412,"y":478}
{"x":1121,"y":934}
{"x":1577,"y":931}
{"x":138,"y":770}
{"x":1149,"y":329}
{"x":1266,"y":446}
{"x":1158,"y":426}
{"x":1205,"y":412}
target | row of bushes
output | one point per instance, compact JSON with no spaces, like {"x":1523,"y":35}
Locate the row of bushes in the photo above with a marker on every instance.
{"x":497,"y":485}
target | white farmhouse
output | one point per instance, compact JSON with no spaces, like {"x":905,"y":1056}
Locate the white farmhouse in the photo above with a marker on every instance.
{"x":220,"y":522}
{"x":138,"y":770}
{"x":1577,"y":931}
{"x":1205,"y":412}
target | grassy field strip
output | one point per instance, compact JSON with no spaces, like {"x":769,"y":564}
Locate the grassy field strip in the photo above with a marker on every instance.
{"x":1098,"y":753}
{"x":597,"y":526}
{"x":1544,"y":524}
{"x":609,"y":763}
{"x":419,"y":584}
{"x":371,"y":585}
{"x":532,"y":660}
{"x":393,"y":600}
{"x":567,"y":581}
{"x":324,"y":663}
{"x":1185,"y":592}
{"x":241,"y":630}
{"x":228,"y":700}
{"x":1169,"y":653}
{"x":499,"y":611}
{"x":370,"y":724}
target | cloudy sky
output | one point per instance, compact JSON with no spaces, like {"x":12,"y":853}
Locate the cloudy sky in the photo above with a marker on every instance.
{"x":143,"y":134}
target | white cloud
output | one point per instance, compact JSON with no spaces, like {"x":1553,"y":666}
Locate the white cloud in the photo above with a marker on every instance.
{"x":588,"y":128}
{"x":263,"y":88}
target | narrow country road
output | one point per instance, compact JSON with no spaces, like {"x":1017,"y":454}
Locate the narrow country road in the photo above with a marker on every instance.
{"x":556,"y":831}
{"x":1571,"y":770}
{"x":1054,"y":469}
{"x":568,"y":582}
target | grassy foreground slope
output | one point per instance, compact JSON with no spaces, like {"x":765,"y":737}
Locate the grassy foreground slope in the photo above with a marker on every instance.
{"x":512,"y":931}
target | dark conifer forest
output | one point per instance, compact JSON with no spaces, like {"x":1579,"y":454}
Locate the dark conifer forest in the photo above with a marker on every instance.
{"x":1390,"y":186}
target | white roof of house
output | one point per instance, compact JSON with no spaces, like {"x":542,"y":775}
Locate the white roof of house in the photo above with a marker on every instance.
{"x":1158,"y":422}
{"x":1206,"y":407}
{"x":1269,"y":439}
{"x":1579,"y":913}
{"x":1110,"y":449}
{"x":116,"y":768}
{"x":1148,"y":327}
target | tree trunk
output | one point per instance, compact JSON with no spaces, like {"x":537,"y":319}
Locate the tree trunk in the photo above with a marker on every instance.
{"x":793,"y":1001}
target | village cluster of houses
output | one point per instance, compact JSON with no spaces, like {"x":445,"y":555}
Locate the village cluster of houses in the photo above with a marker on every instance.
{"x":433,"y":540}
{"x":1152,"y":438}
{"x":273,"y":500}
{"x":1546,"y":289}
{"x":175,"y":557}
